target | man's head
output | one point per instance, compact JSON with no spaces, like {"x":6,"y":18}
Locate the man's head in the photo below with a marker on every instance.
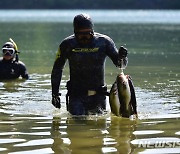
{"x":83,"y":28}
{"x":8,"y":51}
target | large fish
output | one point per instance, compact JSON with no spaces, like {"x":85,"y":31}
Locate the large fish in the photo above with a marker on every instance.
{"x":122,"y":97}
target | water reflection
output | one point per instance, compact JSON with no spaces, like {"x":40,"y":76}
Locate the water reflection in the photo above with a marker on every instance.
{"x":93,"y":134}
{"x":158,"y":134}
{"x":100,"y":135}
{"x":17,"y":135}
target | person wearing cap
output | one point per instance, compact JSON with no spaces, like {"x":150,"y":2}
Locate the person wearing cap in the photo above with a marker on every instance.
{"x":86,"y":52}
{"x":10,"y":66}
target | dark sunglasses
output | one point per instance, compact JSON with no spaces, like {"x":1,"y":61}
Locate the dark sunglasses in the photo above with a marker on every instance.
{"x":84,"y":35}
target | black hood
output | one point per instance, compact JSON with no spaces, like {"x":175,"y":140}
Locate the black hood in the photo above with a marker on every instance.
{"x":82,"y":21}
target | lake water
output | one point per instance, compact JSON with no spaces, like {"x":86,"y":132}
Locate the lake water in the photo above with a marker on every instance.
{"x":30,"y":124}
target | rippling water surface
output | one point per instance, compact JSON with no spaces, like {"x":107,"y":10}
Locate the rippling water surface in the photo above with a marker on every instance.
{"x":30,"y":124}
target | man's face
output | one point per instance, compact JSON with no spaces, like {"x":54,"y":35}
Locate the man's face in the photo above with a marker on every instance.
{"x":84,"y":36}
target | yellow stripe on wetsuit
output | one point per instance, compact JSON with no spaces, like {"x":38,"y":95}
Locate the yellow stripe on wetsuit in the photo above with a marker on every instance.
{"x":58,"y":54}
{"x":85,"y":49}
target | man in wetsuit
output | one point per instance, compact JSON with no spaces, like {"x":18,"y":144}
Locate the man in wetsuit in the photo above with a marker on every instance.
{"x":86,"y":52}
{"x":10,"y":66}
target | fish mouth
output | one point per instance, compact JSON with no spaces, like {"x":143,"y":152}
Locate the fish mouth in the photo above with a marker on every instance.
{"x":124,"y":84}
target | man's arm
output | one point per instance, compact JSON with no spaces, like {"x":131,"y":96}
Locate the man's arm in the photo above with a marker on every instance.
{"x":111,"y":50}
{"x":24,"y":72}
{"x":116,"y":56}
{"x":56,"y":74}
{"x":57,"y":70}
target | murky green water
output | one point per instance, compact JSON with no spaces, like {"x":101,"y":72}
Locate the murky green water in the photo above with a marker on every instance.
{"x":30,"y":124}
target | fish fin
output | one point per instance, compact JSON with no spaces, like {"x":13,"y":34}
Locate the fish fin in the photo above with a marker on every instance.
{"x":133,"y":101}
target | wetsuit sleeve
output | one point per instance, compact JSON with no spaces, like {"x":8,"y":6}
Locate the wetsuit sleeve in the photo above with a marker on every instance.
{"x":112,"y":51}
{"x":23,"y":70}
{"x":57,"y":70}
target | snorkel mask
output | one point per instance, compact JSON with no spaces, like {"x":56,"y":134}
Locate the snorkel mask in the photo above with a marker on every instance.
{"x":8,"y":50}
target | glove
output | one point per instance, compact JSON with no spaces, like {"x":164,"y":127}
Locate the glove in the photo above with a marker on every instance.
{"x":122,"y":52}
{"x":56,"y":101}
{"x":122,"y":57}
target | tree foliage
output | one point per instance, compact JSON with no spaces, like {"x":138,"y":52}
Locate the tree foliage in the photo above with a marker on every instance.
{"x":89,"y":4}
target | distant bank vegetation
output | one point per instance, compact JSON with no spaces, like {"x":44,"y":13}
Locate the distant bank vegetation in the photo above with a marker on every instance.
{"x":89,"y":4}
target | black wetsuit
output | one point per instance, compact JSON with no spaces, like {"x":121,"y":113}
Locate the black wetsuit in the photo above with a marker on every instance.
{"x":12,"y":70}
{"x":86,"y":63}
